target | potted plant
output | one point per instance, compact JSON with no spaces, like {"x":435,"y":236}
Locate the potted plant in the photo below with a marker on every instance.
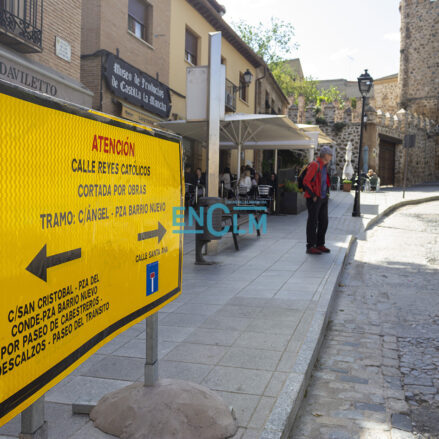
{"x":347,"y":185}
{"x":292,"y":200}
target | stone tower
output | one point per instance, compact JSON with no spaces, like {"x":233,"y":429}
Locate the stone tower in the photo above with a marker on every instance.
{"x":419,"y":62}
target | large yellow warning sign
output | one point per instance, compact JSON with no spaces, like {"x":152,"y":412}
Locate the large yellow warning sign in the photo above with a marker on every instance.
{"x":86,"y":243}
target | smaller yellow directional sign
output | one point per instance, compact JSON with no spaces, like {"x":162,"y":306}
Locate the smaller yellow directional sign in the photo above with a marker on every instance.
{"x":85,"y":230}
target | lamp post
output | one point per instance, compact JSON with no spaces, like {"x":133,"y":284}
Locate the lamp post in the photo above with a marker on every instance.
{"x":248,"y":77}
{"x":365,"y":82}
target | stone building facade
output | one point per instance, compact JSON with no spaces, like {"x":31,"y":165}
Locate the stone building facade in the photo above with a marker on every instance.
{"x":419,"y":66}
{"x":399,"y":104}
{"x":40,"y":47}
{"x":383,"y":135}
{"x":386,"y":93}
{"x":108,"y":42}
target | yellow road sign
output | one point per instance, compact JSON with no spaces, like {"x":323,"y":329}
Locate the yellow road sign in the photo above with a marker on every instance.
{"x":85,"y":230}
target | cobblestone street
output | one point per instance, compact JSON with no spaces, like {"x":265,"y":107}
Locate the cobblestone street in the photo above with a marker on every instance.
{"x":377,"y":373}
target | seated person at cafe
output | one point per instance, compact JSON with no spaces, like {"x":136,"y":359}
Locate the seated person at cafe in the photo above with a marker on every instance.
{"x":245,"y":180}
{"x":273,"y":183}
{"x":188,"y":176}
{"x":200,"y":178}
{"x":226,"y":180}
{"x":256,"y":181}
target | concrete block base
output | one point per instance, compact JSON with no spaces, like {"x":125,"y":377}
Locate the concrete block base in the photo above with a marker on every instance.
{"x":171,"y":409}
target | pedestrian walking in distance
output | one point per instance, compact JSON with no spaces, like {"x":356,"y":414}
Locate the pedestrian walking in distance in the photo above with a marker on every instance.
{"x":316,"y":183}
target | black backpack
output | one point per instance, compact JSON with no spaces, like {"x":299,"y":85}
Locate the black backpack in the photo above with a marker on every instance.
{"x":302,"y":174}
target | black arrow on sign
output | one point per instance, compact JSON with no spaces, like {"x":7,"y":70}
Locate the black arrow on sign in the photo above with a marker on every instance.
{"x":41,"y":262}
{"x":159,"y":233}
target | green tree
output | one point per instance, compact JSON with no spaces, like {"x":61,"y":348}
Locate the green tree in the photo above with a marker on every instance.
{"x":275,"y":44}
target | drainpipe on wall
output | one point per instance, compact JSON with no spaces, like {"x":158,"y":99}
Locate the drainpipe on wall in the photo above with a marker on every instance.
{"x":257,"y":84}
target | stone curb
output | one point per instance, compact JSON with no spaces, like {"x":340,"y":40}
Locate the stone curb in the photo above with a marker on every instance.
{"x":287,"y":405}
{"x":396,"y":206}
{"x":284,"y":412}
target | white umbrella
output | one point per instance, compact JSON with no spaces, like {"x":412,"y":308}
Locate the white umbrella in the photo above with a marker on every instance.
{"x":246,"y":131}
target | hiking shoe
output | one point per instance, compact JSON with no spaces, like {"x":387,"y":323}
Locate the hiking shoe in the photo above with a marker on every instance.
{"x":323,"y":249}
{"x":313,"y":251}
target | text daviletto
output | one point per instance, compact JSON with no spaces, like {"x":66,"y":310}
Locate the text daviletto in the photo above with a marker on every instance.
{"x":112,"y":146}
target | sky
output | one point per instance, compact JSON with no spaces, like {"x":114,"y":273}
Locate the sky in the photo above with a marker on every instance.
{"x":337,"y":38}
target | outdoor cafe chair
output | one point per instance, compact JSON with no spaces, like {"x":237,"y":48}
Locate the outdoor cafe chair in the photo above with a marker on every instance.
{"x":264,"y":194}
{"x":243,"y":192}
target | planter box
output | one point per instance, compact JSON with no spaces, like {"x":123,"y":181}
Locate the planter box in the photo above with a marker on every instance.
{"x":347,"y":187}
{"x":292,"y":203}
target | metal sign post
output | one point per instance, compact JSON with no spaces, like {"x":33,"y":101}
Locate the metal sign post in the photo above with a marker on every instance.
{"x":151,"y":363}
{"x":33,"y":423}
{"x":409,"y":142}
{"x":213,"y":113}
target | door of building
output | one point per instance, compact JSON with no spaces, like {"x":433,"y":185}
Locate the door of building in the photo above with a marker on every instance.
{"x":386,"y":170}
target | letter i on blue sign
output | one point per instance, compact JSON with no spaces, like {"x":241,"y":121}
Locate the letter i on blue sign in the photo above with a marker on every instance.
{"x":152,"y":278}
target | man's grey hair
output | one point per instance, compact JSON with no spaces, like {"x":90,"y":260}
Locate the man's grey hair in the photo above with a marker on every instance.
{"x":326,"y":150}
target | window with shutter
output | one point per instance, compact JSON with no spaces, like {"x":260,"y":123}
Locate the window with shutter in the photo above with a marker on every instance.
{"x":140,"y":19}
{"x":191,"y":47}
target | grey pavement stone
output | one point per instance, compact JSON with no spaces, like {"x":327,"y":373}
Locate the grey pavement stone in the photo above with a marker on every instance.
{"x":418,"y":380}
{"x":233,"y":379}
{"x":243,"y":404}
{"x":137,"y":348}
{"x":57,"y":416}
{"x":200,"y":309}
{"x":96,"y":358}
{"x":170,"y":333}
{"x":239,"y":311}
{"x":114,"y":344}
{"x":338,"y":433}
{"x":273,"y":326}
{"x":421,"y":389}
{"x":391,"y":371}
{"x":287,"y":361}
{"x":251,"y":433}
{"x":258,"y":340}
{"x":221,"y":298}
{"x":370,"y":407}
{"x":400,"y":434}
{"x":262,"y":412}
{"x":401,"y":422}
{"x":90,"y":432}
{"x":249,"y":301}
{"x":183,"y":319}
{"x":183,"y":371}
{"x":118,"y":368}
{"x":94,"y":388}
{"x":229,"y":323}
{"x":251,"y":291}
{"x":251,"y":358}
{"x":353,"y":379}
{"x":397,"y":405}
{"x":196,"y":353}
{"x":276,"y":384}
{"x":219,"y":337}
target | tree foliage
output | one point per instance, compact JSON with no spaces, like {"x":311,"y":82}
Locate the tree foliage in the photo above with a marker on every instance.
{"x":274,"y":43}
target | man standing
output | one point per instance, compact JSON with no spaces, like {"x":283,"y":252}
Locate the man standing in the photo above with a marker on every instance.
{"x":316,"y":184}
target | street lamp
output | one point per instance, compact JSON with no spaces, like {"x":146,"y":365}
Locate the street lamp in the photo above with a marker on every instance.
{"x":248,"y":76}
{"x":365,"y":82}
